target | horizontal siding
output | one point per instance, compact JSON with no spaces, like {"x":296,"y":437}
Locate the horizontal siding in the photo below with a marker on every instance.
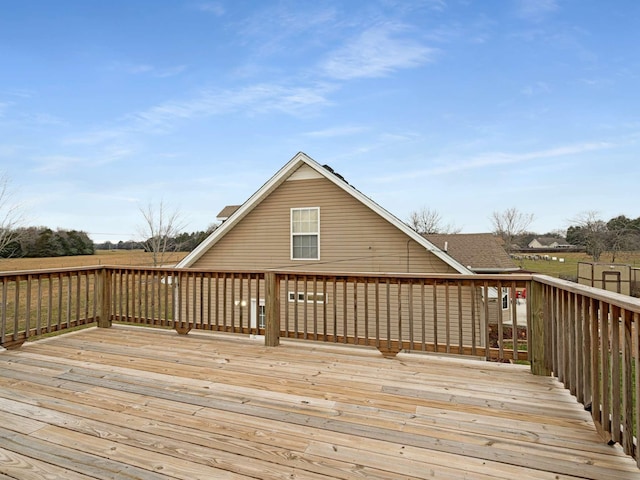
{"x":353,"y":238}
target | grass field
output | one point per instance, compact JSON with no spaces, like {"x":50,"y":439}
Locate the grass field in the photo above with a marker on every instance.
{"x":569,"y":268}
{"x":136,"y":258}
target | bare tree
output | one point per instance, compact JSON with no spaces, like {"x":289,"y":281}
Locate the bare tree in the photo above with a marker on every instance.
{"x":428,"y":221}
{"x":160,"y":228}
{"x":11,"y":214}
{"x":589,"y":230}
{"x":510,"y":223}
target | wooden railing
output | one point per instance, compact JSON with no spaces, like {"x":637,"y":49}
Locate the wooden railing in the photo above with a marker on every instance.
{"x":452,"y":314}
{"x":590,"y":341}
{"x":587,"y":338}
{"x":40,"y":302}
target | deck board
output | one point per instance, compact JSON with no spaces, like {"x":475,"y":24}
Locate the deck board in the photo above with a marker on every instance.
{"x":142,"y":403}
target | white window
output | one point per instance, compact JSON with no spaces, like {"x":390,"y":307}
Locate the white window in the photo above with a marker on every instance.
{"x":305,"y":233}
{"x":262,"y":316}
{"x":505,"y":298}
{"x":308,"y":297}
{"x":258,"y":313}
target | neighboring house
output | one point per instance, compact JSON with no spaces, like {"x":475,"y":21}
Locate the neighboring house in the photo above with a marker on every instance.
{"x":548,"y":242}
{"x":307,"y":218}
{"x":479,"y":252}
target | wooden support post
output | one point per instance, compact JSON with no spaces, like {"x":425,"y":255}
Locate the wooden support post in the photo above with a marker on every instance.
{"x":103,"y":297}
{"x":540,"y":364}
{"x":272,"y":306}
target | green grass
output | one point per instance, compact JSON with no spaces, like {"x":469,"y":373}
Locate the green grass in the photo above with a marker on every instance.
{"x":569,"y":268}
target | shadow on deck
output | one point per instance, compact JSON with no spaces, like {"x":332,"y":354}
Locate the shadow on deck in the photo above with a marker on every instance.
{"x":129,"y":402}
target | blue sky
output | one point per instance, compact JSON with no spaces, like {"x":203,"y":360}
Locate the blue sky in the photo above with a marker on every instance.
{"x":465,"y":107}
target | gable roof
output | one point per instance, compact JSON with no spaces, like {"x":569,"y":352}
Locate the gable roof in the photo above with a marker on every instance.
{"x":280,"y":177}
{"x":479,"y":252}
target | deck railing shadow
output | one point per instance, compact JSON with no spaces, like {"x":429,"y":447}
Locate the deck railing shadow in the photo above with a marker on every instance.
{"x":586,"y":337}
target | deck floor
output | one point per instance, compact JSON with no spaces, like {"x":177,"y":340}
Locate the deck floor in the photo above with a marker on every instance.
{"x":134,"y":403}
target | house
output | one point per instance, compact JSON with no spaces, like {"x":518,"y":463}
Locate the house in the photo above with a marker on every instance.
{"x":307,"y":218}
{"x":548,"y":242}
{"x":479,"y":252}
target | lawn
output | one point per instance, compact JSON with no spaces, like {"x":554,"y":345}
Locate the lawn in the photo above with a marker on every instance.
{"x":569,"y":267}
{"x":138,"y":258}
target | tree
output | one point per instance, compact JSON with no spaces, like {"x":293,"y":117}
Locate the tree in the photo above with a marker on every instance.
{"x":589,"y":231}
{"x":428,"y":221}
{"x":160,"y":228}
{"x":11,"y":217}
{"x":509,"y":224}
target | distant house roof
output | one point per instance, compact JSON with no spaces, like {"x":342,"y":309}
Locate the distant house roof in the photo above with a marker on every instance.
{"x":280,"y":177}
{"x":547,"y":242}
{"x":226,"y":212}
{"x":479,"y":252}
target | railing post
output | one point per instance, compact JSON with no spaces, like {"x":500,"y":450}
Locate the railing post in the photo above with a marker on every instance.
{"x":539,"y":331}
{"x":272,"y":306}
{"x":103,"y":300}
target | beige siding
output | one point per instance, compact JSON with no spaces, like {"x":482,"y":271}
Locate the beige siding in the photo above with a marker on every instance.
{"x":353,"y":238}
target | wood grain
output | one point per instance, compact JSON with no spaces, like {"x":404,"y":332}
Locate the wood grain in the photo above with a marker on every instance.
{"x":142,"y":403}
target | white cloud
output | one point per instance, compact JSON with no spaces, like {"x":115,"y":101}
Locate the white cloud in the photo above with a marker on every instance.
{"x":496,"y":158}
{"x":4,"y":106}
{"x":251,"y":100}
{"x":211,"y":7}
{"x":377,"y":52}
{"x":17,"y":93}
{"x":57,"y":163}
{"x":336,"y":132}
{"x":145,"y":68}
{"x":536,"y":9}
{"x":536,"y":88}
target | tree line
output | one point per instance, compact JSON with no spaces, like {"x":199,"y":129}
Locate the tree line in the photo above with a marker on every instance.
{"x":39,"y":242}
{"x":182,"y":242}
{"x":598,"y":236}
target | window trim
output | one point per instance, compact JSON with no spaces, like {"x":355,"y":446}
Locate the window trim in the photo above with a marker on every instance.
{"x":291,"y":234}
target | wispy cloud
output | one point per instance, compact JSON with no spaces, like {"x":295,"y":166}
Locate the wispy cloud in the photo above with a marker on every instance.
{"x":58,"y":164}
{"x":496,"y":159}
{"x":211,"y":7}
{"x":4,"y":106}
{"x":278,"y":29}
{"x":536,"y":10}
{"x":336,"y":132}
{"x":17,"y":93}
{"x":377,"y":52}
{"x":251,"y":100}
{"x":536,"y":88}
{"x":46,"y":119}
{"x":147,"y":69}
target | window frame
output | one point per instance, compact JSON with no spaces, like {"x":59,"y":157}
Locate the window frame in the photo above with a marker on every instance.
{"x":292,"y":234}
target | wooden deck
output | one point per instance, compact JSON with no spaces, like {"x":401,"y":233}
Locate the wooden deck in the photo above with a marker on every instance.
{"x":134,"y":403}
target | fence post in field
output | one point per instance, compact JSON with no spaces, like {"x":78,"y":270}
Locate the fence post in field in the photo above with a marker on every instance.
{"x":539,"y":363}
{"x":272,"y":307}
{"x":103,"y":297}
